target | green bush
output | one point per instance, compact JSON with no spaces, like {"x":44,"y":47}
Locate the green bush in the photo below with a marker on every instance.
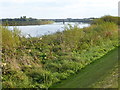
{"x":15,"y":79}
{"x":10,"y":39}
{"x":107,"y":18}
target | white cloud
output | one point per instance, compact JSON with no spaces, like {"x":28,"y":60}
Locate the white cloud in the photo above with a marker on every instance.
{"x":26,"y":1}
{"x":58,"y":8}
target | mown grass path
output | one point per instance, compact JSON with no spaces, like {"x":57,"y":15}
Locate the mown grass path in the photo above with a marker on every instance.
{"x":92,"y":73}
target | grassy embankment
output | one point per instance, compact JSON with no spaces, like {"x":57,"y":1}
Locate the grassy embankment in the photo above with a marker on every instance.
{"x":96,"y":73}
{"x":110,"y":80}
{"x":39,"y":62}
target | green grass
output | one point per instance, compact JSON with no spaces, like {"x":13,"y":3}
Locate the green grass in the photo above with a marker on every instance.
{"x":92,"y":73}
{"x":109,"y":81}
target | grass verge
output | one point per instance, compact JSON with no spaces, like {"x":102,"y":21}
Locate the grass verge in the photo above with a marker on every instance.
{"x":92,"y":73}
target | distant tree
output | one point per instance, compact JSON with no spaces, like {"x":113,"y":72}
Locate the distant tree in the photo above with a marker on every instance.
{"x":21,"y":17}
{"x":24,"y":17}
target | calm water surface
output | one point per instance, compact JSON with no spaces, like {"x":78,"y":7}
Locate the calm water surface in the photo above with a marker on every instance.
{"x":39,"y":30}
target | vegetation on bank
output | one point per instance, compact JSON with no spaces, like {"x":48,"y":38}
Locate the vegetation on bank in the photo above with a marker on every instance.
{"x":39,"y":62}
{"x":107,"y":18}
{"x":23,"y":21}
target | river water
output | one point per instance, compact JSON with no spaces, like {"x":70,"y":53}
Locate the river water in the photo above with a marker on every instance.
{"x":39,"y":30}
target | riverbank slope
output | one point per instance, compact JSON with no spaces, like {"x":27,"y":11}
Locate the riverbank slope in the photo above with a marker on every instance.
{"x":40,"y":62}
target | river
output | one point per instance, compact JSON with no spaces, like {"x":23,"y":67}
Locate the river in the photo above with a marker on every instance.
{"x":39,"y":30}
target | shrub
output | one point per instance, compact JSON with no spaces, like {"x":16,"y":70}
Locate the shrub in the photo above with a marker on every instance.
{"x":10,"y":39}
{"x":107,"y":18}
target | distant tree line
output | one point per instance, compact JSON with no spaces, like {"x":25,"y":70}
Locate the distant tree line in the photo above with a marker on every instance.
{"x":24,"y":21}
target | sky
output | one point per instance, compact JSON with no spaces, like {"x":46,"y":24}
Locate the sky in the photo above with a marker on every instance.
{"x":51,"y":9}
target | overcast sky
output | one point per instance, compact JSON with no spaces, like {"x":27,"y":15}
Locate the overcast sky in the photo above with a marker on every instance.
{"x":58,"y":8}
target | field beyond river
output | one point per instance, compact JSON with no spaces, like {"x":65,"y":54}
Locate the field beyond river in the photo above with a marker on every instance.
{"x":73,"y":58}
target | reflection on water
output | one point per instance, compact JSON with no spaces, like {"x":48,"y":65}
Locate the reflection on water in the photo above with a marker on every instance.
{"x":38,"y":30}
